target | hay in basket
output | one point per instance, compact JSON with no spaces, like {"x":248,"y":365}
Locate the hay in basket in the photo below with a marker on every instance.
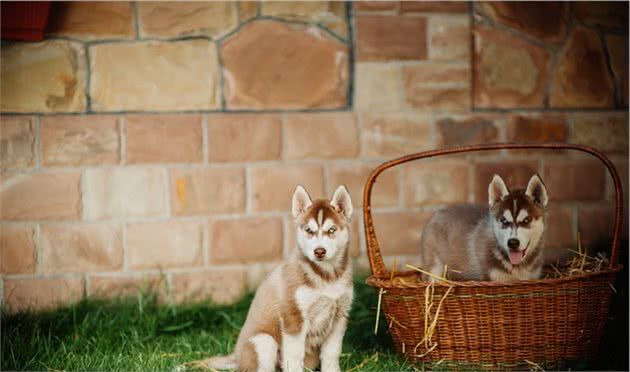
{"x":545,"y":323}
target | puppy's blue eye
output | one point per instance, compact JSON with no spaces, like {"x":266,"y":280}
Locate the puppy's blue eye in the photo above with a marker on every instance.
{"x":504,"y":222}
{"x":308,"y":230}
{"x":527,"y":220}
{"x":332,"y":230}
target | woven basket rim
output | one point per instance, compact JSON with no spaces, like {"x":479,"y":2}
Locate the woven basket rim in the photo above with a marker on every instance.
{"x":385,"y":281}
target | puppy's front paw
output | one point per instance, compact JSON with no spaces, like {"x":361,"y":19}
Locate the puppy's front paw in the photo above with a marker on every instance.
{"x":330,"y":366}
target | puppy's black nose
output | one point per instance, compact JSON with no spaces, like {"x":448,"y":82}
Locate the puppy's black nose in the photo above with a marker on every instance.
{"x":320,"y":252}
{"x":513,"y":243}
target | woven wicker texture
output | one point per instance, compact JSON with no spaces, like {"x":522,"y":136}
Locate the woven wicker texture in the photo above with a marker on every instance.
{"x":495,"y":325}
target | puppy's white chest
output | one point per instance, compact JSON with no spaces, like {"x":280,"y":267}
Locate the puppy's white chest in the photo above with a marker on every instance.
{"x":321,"y":307}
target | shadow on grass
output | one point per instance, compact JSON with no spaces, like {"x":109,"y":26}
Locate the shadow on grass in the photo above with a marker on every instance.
{"x":139,"y":334}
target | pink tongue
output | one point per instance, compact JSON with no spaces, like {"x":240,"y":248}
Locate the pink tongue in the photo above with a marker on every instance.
{"x":516,"y":257}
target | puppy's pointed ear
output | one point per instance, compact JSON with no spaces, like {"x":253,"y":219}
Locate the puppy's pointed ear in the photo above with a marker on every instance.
{"x":497,"y":190}
{"x":342,"y":202}
{"x":301,"y":200}
{"x":537,"y":191}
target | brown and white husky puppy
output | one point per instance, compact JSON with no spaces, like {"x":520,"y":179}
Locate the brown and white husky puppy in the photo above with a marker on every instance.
{"x":502,"y":243}
{"x":299,"y":314}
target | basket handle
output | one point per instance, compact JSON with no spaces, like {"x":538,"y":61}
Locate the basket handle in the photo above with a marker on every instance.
{"x":373,"y":250}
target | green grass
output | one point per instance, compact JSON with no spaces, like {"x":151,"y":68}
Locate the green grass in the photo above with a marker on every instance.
{"x":138,"y":334}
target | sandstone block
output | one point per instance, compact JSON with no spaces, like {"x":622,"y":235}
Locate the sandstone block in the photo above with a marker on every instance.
{"x":507,"y":70}
{"x":47,"y":76}
{"x":125,"y":193}
{"x":256,"y":239}
{"x":539,"y":127}
{"x":154,"y":76}
{"x":79,"y":140}
{"x":618,"y":50}
{"x":247,"y":10}
{"x":354,"y":176}
{"x":437,"y":86}
{"x":581,"y":78}
{"x":596,"y":226}
{"x":18,"y":254}
{"x":400,"y":232}
{"x":434,"y":6}
{"x":163,"y":139}
{"x":226,"y":141}
{"x":92,"y":19}
{"x":40,"y":196}
{"x":273,"y":185}
{"x":605,"y":131}
{"x":395,"y":134}
{"x":609,"y":14}
{"x":186,"y":18}
{"x":41,"y":294}
{"x":459,"y":130}
{"x":377,"y":87}
{"x":260,"y":68}
{"x":81,"y":248}
{"x":385,"y":38}
{"x":449,"y":38}
{"x":221,"y":286}
{"x":159,"y":245}
{"x":321,"y":135}
{"x":205,"y":191}
{"x":17,"y":141}
{"x":439,"y":182}
{"x":374,"y":5}
{"x":575,"y":180}
{"x":112,"y":287}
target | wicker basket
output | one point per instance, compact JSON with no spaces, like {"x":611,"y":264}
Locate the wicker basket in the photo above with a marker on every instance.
{"x":496,"y":325}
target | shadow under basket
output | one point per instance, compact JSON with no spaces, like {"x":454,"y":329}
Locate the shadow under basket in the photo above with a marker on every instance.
{"x":533,"y":324}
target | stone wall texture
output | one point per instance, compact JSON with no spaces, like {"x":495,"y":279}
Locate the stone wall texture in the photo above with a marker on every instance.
{"x":156,"y":144}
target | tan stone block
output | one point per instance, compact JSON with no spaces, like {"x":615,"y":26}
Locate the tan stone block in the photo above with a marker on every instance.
{"x":41,"y":294}
{"x":40,"y":196}
{"x":545,"y":21}
{"x":92,"y":19}
{"x":163,"y":139}
{"x":386,"y":38}
{"x":133,"y":285}
{"x":247,"y":10}
{"x":186,"y":18}
{"x":321,"y":136}
{"x":437,"y":86}
{"x":47,"y":76}
{"x":355,"y":175}
{"x":159,"y":245}
{"x":433,"y":6}
{"x":466,"y":129}
{"x":307,"y":11}
{"x":17,"y":141}
{"x":338,"y":24}
{"x":516,"y":174}
{"x":604,"y":131}
{"x":79,"y":140}
{"x":254,"y":239}
{"x":439,"y":182}
{"x":125,"y":193}
{"x":377,"y":86}
{"x":537,"y":127}
{"x":374,"y":5}
{"x":581,"y":78}
{"x":18,"y":254}
{"x":205,"y":191}
{"x":449,"y":38}
{"x":559,"y":234}
{"x":400,"y":232}
{"x":508,"y":71}
{"x":221,"y":286}
{"x":81,"y":248}
{"x":273,"y":185}
{"x":354,"y":248}
{"x":226,"y":141}
{"x":260,"y":68}
{"x":618,"y":51}
{"x":183,"y":75}
{"x":395,"y":134}
{"x":575,"y":180}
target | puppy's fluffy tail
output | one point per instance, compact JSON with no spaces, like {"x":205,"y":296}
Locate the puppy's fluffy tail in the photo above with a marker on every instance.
{"x":223,"y":362}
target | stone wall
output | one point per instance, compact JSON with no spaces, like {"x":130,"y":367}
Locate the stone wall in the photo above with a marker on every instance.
{"x":157,"y":144}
